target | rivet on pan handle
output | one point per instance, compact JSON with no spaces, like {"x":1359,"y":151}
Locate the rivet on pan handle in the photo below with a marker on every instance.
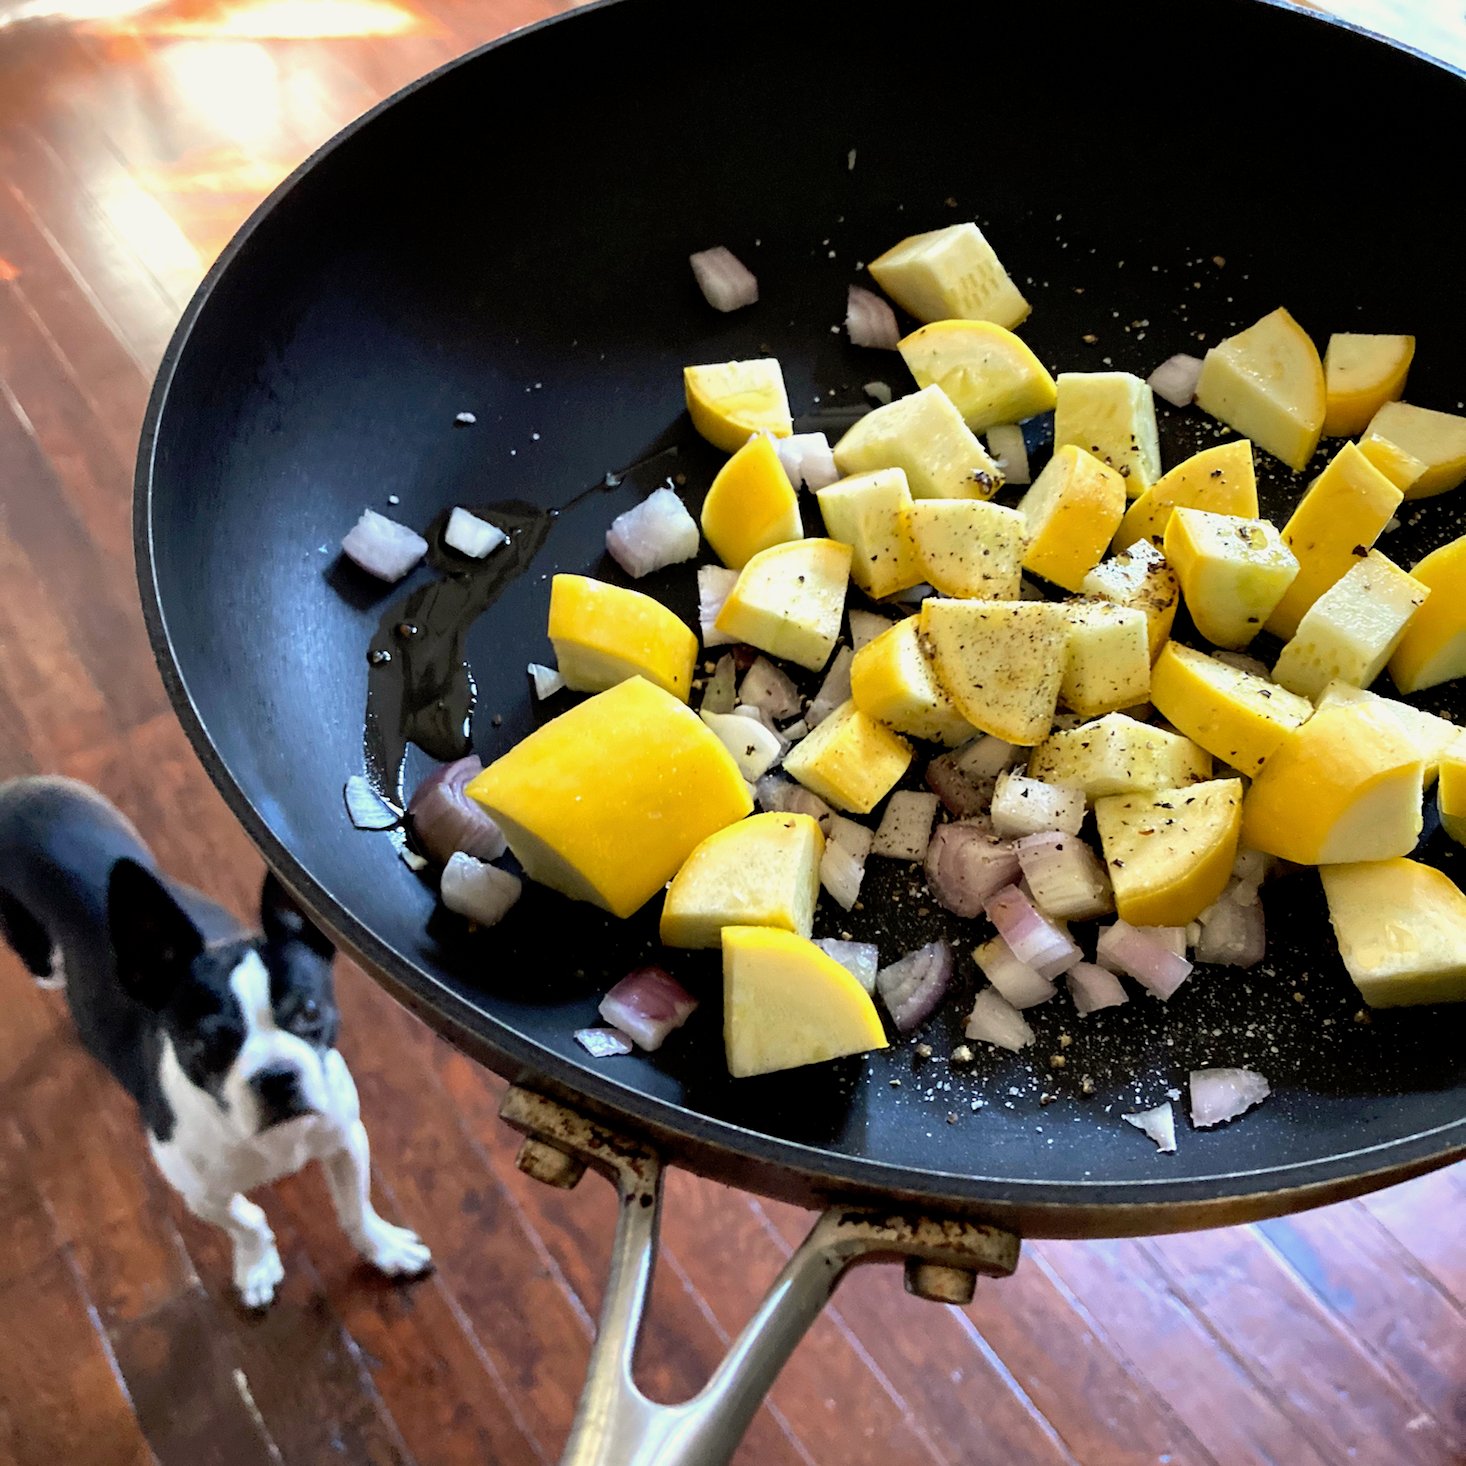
{"x":615,"y":1424}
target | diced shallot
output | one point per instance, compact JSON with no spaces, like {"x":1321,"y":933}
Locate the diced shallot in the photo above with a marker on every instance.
{"x":382,"y":547}
{"x":547,"y":680}
{"x":834,"y":690}
{"x":444,"y":820}
{"x":478,"y":890}
{"x":1139,"y":953}
{"x":869,"y":320}
{"x":841,"y":873}
{"x":720,"y":695}
{"x":965,"y":864}
{"x":755,"y":749}
{"x":777,"y":795}
{"x":1218,"y":1095}
{"x":994,"y":1020}
{"x":913,"y":986}
{"x":647,"y":1005}
{"x":714,"y":586}
{"x":726,"y":282}
{"x":859,"y":959}
{"x":1009,"y":452}
{"x":603,"y":1043}
{"x":1175,"y":379}
{"x":865,"y":626}
{"x":472,"y":536}
{"x":906,"y":827}
{"x":1093,"y":988}
{"x":765,"y":686}
{"x":1032,"y":936}
{"x":759,"y":716}
{"x":657,"y":532}
{"x":1233,"y":931}
{"x":1024,"y":806}
{"x":366,"y":808}
{"x":1159,"y":1124}
{"x":1065,"y":876}
{"x":849,"y":834}
{"x":960,"y":794}
{"x":808,"y":460}
{"x":1016,"y":980}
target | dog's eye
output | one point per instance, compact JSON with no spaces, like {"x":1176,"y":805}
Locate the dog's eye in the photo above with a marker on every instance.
{"x":310,"y":1010}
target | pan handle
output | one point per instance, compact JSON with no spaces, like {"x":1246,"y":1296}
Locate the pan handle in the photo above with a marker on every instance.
{"x":615,"y":1424}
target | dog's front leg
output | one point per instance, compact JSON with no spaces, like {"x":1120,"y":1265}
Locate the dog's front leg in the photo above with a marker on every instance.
{"x":392,"y":1250}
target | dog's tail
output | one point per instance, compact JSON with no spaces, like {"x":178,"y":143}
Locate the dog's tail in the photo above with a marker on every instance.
{"x":28,"y":937}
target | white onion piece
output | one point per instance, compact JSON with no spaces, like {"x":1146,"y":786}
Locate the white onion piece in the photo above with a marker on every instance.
{"x":472,"y":536}
{"x":765,"y":686}
{"x":906,"y":827}
{"x":647,"y":1005}
{"x":912,"y":986}
{"x":366,"y":809}
{"x":808,"y":459}
{"x":994,"y":1020}
{"x":1032,"y":936}
{"x":965,"y":864}
{"x":1093,"y":988}
{"x":1024,"y":806}
{"x":869,"y":321}
{"x":1159,"y":1124}
{"x":878,"y":392}
{"x":1139,"y":953}
{"x":841,"y":874}
{"x":865,"y":626}
{"x":1016,"y":980}
{"x":719,"y":695}
{"x":759,"y":716}
{"x":1175,"y":379}
{"x":603,"y":1043}
{"x":656,"y":533}
{"x":1065,"y":876}
{"x":795,"y":731}
{"x":714,"y":586}
{"x":1233,"y":931}
{"x":478,"y":890}
{"x":1218,"y":1095}
{"x":755,"y":749}
{"x":1172,"y":938}
{"x":849,"y":834}
{"x":547,"y":680}
{"x":382,"y":547}
{"x":446,"y":821}
{"x":777,"y":795}
{"x":859,"y":959}
{"x":1009,"y":452}
{"x":986,"y":757}
{"x":834,"y":690}
{"x":1251,"y":868}
{"x":726,"y":282}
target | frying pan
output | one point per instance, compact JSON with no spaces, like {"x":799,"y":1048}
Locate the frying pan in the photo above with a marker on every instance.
{"x":509,"y":237}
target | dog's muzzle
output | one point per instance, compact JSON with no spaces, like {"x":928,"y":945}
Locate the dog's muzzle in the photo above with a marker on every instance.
{"x":279,"y":1094}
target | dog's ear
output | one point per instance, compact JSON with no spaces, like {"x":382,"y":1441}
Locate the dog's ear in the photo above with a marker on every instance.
{"x":283,"y":920}
{"x":153,"y":940}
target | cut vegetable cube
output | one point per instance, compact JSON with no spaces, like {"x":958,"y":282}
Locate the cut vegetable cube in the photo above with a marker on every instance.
{"x":865,"y":626}
{"x":1433,"y":649}
{"x":1268,"y":384}
{"x":731,"y":399}
{"x":1430,"y":736}
{"x":871,"y":513}
{"x":1233,"y":572}
{"x":906,"y":827}
{"x":893,"y":681}
{"x":1403,"y":469}
{"x":1023,"y":806}
{"x":1221,"y":480}
{"x":604,"y":634}
{"x":991,"y":376}
{"x":924,"y":435}
{"x":1139,"y":578}
{"x":994,"y":1020}
{"x":1438,"y":439}
{"x":969,"y":549}
{"x":1066,"y":878}
{"x":950,"y":274}
{"x":850,"y":760}
{"x":1451,"y":794}
{"x":1117,"y":755}
{"x":1019,"y":984}
{"x":1112,"y":416}
{"x":1351,"y":630}
{"x":751,"y":504}
{"x":789,"y":600}
{"x":1361,"y":374}
{"x":1106,"y":658}
{"x":1070,"y":514}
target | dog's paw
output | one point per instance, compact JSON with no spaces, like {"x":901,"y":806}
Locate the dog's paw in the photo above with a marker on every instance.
{"x":256,"y":1276}
{"x":394,"y":1250}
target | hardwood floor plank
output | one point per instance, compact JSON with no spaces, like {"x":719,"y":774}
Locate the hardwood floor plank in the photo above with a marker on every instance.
{"x":1417,"y":1214}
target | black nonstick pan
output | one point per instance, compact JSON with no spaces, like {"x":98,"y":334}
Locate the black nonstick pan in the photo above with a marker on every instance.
{"x":509,"y":238}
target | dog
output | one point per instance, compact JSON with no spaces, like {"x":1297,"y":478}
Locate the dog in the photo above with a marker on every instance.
{"x":224,"y":1038}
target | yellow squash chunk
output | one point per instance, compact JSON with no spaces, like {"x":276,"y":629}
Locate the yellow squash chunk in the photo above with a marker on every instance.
{"x":1118,"y":755}
{"x":1433,"y":649}
{"x":751,"y":505}
{"x":1345,"y":786}
{"x":1219,"y":479}
{"x":969,"y":548}
{"x":990,"y":375}
{"x":1140,"y":578}
{"x":872,"y":514}
{"x":728,"y":400}
{"x":604,"y":634}
{"x":1451,"y":794}
{"x":1438,"y":439}
{"x":1431,"y":737}
{"x":1403,"y":469}
{"x":762,"y":871}
{"x":1268,"y":384}
{"x":1236,"y":716}
{"x":924,"y":435}
{"x":1232,"y":572}
{"x":1106,"y":658}
{"x":892,"y":681}
{"x":1070,"y":513}
{"x":1333,"y":527}
{"x":786,"y":1003}
{"x":1349,"y":632}
{"x":1361,"y":374}
{"x":1401,"y":929}
{"x":605,"y":802}
{"x":849,"y":760}
{"x":1001,"y":662}
{"x":1111,"y":415}
{"x":950,"y":274}
{"x":1170,"y":853}
{"x":788,"y":601}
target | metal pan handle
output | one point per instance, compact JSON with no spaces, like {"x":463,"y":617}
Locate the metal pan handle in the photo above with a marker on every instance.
{"x":615,"y":1424}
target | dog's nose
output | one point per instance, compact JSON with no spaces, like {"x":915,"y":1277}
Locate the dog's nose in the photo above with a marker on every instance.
{"x":278,"y":1091}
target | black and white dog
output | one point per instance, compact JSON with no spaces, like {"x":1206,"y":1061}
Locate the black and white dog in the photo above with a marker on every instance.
{"x":226,"y":1039}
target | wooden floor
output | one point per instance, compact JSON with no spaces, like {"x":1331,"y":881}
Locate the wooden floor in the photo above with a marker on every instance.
{"x":130,"y":147}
